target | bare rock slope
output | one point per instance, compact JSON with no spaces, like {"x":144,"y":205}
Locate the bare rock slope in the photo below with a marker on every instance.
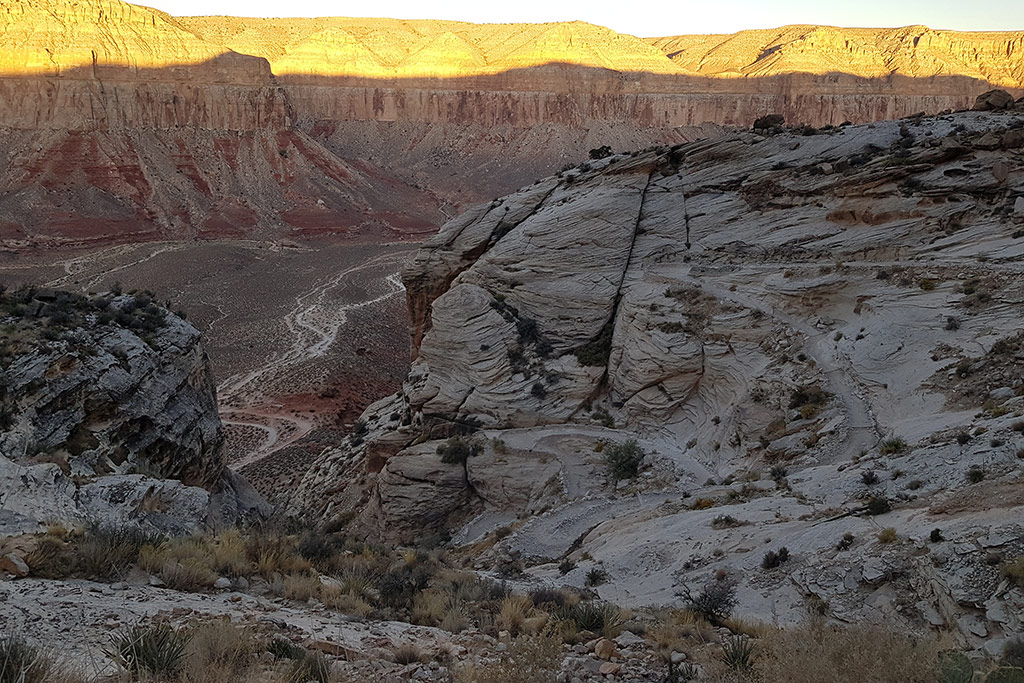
{"x":109,"y":414}
{"x":812,"y":337}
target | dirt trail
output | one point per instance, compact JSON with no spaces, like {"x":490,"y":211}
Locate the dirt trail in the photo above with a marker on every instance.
{"x":313,"y":324}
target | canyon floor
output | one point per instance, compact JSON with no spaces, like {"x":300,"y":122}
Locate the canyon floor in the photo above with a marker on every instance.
{"x":301,"y":336}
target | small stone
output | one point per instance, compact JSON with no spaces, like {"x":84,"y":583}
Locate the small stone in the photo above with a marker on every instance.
{"x":1013,"y":139}
{"x":628,"y":639}
{"x":610,"y":669}
{"x":604,"y":649}
{"x":678,"y":657}
{"x":825,"y":168}
{"x":241,"y":583}
{"x":222,"y":583}
{"x":1018,"y":206}
{"x":1000,"y":171}
{"x":988,"y":141}
{"x":156,"y":581}
{"x":13,"y":565}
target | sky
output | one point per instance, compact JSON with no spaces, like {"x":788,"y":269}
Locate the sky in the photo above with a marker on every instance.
{"x":644,"y":18}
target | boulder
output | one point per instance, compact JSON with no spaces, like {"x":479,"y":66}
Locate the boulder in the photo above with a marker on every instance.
{"x":605,"y":649}
{"x":993,"y":100}
{"x":13,"y":565}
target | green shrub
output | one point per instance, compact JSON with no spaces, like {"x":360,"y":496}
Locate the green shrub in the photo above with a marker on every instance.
{"x":623,"y":459}
{"x":738,"y":653}
{"x":715,"y":601}
{"x":457,"y":450}
{"x":106,"y":552}
{"x":605,"y":619}
{"x":310,"y":667}
{"x":158,"y":650}
{"x":893,"y":446}
{"x":23,"y":663}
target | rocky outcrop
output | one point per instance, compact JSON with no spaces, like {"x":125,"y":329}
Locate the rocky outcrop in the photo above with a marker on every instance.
{"x":109,"y":413}
{"x":122,"y":123}
{"x":806,"y":335}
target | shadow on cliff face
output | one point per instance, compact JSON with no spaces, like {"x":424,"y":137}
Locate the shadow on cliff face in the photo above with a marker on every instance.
{"x":224,"y":148}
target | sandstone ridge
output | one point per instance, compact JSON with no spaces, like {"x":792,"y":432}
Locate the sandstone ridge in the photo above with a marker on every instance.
{"x":807,"y":335}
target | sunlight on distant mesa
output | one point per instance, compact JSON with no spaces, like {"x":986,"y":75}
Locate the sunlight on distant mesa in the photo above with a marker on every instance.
{"x":55,"y":38}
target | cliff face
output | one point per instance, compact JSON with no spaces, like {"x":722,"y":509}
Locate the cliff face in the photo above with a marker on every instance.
{"x":164,"y":127}
{"x":108,"y":412}
{"x":781,"y":328}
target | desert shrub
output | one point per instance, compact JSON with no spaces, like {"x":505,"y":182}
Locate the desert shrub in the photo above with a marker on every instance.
{"x":189,"y":574}
{"x":310,"y":667}
{"x":515,"y":610}
{"x":893,"y":446}
{"x":301,"y":587}
{"x":869,"y":477}
{"x":605,"y":619}
{"x":596,"y":577}
{"x":158,"y":650}
{"x":623,"y":459}
{"x":457,"y":450}
{"x":528,"y":659}
{"x":596,"y":352}
{"x":715,"y":600}
{"x":106,"y":552}
{"x":738,"y":653}
{"x":548,"y":597}
{"x":773,"y":559}
{"x":566,"y":566}
{"x":810,"y":395}
{"x":279,"y":648}
{"x":846,"y":542}
{"x":21,"y":662}
{"x":887,"y":535}
{"x":218,"y":651}
{"x":407,"y":653}
{"x":819,"y":652}
{"x":1013,"y":571}
{"x":51,"y":558}
{"x":975,"y":474}
{"x":601,"y":152}
{"x":878,"y":505}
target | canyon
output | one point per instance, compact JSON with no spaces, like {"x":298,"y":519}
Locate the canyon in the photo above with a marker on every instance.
{"x":119,"y":123}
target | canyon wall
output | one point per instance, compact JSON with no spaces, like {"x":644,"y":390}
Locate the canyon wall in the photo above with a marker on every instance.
{"x":119,"y":122}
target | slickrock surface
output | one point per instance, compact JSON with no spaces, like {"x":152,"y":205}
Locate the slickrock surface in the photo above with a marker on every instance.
{"x":109,"y":413}
{"x":800,"y":331}
{"x":122,"y":123}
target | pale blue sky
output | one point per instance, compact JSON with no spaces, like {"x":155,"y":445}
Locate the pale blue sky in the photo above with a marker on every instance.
{"x":646,"y":18}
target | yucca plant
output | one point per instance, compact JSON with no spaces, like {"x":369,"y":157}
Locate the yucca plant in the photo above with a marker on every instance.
{"x":158,"y":649}
{"x":310,"y":667}
{"x":22,"y":663}
{"x":738,"y":653}
{"x":605,"y":619}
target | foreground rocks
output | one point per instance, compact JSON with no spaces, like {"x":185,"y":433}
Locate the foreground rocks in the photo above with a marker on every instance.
{"x":109,"y":414}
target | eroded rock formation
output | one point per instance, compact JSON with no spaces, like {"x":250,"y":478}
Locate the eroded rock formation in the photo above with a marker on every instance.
{"x":810,"y":336}
{"x":109,"y":412}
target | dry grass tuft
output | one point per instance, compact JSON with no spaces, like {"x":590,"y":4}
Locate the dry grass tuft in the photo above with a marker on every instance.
{"x":820,"y":652}
{"x":529,"y":659}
